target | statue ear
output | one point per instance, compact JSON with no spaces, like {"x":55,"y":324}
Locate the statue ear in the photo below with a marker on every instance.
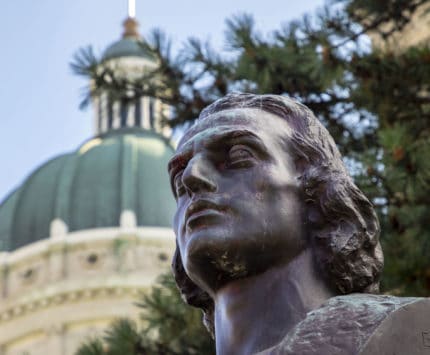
{"x":344,"y":232}
{"x":301,"y":164}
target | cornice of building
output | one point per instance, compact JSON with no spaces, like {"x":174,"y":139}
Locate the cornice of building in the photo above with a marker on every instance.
{"x":37,"y":303}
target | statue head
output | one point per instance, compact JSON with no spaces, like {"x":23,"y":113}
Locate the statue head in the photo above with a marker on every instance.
{"x":257,"y":180}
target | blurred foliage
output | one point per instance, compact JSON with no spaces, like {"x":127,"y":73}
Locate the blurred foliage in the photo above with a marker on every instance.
{"x":374,"y":101}
{"x":166,"y":327}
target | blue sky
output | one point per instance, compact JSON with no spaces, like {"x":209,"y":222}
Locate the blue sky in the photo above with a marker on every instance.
{"x":39,"y":96}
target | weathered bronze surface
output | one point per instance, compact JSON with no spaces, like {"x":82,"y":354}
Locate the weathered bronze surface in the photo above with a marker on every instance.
{"x":274,"y":241}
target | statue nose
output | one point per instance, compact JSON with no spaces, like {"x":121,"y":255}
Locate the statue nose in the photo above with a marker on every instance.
{"x":199,"y":176}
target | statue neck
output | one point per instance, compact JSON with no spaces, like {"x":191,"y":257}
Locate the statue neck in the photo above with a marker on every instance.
{"x":256,"y":313}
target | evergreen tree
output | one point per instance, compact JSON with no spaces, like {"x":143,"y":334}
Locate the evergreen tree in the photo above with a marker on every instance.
{"x":395,"y":88}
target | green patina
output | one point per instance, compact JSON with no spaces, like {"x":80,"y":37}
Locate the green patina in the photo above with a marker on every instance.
{"x":89,"y":188}
{"x":127,"y":47}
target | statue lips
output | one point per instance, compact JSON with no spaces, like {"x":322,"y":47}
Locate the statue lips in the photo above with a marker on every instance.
{"x":200,"y":212}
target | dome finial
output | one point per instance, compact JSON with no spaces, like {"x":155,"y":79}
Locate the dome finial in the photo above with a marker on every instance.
{"x":130,"y":24}
{"x":131,"y":28}
{"x":132,"y":8}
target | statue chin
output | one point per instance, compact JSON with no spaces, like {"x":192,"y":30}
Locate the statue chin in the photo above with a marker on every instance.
{"x":213,"y":269}
{"x":212,"y":264}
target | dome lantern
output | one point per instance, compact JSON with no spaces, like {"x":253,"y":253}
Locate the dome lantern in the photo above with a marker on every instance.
{"x":129,"y":60}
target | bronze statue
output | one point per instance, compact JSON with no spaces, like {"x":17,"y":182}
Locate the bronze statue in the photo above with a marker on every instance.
{"x":272,"y":233}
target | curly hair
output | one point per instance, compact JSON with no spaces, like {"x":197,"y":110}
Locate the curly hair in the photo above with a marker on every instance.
{"x":343,"y":226}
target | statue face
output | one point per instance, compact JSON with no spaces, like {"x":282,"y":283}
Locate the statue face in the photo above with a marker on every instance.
{"x":239,"y":210}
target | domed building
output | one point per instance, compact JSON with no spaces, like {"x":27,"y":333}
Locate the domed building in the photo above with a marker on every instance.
{"x":89,"y":230}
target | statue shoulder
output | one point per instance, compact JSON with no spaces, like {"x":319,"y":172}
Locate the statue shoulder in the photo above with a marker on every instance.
{"x":353,"y":324}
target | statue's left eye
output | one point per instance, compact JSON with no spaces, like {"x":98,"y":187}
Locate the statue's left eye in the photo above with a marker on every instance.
{"x":239,"y":154}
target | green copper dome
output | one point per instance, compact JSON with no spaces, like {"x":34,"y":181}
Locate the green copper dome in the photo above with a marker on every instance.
{"x":120,"y":171}
{"x":126,"y":47}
